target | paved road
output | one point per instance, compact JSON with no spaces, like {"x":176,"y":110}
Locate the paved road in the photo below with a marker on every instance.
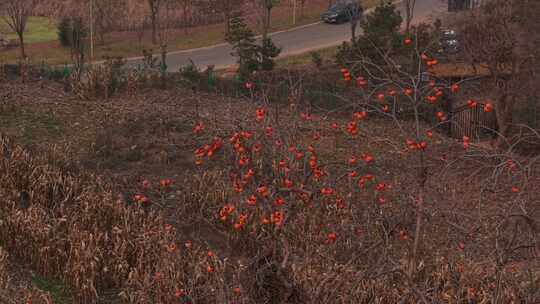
{"x":296,"y":41}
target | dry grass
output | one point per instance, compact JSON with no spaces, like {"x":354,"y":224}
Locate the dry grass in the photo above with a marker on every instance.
{"x":5,"y":278}
{"x":13,"y":290}
{"x":114,"y":244}
{"x":302,"y":60}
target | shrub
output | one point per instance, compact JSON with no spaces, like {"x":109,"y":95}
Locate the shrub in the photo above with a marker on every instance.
{"x":102,"y":80}
{"x":251,"y":57}
{"x":149,"y":61}
{"x":268,"y":51}
{"x":242,"y":40}
{"x":71,"y":31}
{"x":380,"y":36}
{"x":317,"y":59}
{"x":190,"y":73}
{"x":64,"y":32}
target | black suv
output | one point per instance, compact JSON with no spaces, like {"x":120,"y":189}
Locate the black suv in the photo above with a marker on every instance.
{"x":341,"y":12}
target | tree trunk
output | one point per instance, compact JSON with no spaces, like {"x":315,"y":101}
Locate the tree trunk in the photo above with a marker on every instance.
{"x":503,"y":114}
{"x":227,"y":22}
{"x":266,"y":26}
{"x":101,"y":35}
{"x":102,"y":38}
{"x":422,"y":179}
{"x":163,"y":65}
{"x":269,"y":20}
{"x":154,"y":28}
{"x":21,"y":41}
{"x":408,"y":20}
{"x":227,"y":15}
{"x":186,"y":18}
{"x":354,"y":23}
{"x":409,"y":14}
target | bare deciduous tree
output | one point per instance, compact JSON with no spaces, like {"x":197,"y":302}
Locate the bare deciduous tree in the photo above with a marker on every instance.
{"x":302,"y":7}
{"x":107,"y":17}
{"x":496,"y":36}
{"x":15,"y":14}
{"x":227,"y":7}
{"x":267,"y":6}
{"x":354,"y":13}
{"x":409,"y":13}
{"x":166,"y":24}
{"x":154,"y":6}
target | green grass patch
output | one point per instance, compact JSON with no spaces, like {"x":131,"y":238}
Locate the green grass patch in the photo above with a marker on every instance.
{"x":29,"y":127}
{"x":327,"y":54}
{"x":38,"y":29}
{"x":57,"y":290}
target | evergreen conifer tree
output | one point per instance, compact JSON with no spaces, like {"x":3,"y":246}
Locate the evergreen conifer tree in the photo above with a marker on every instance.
{"x":242,"y":39}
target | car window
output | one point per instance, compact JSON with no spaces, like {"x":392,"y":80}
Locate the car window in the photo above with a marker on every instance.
{"x":339,"y":6}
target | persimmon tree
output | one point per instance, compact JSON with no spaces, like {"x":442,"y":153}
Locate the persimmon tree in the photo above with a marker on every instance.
{"x":268,"y":172}
{"x":273,"y":169}
{"x":397,"y":88}
{"x":301,"y":182}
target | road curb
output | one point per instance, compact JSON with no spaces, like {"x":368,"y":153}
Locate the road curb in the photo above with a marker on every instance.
{"x":220,"y":44}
